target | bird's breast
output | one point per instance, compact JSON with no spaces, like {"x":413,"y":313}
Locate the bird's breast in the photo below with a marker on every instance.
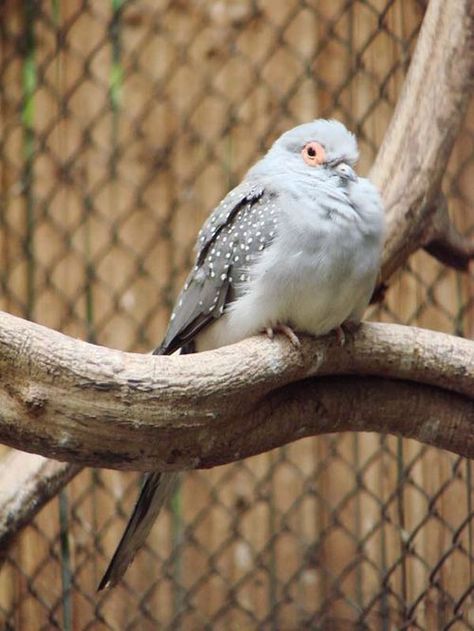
{"x":318,"y":269}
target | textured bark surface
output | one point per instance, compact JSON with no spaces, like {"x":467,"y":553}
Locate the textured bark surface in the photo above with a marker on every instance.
{"x":28,"y":482}
{"x":412,"y":159}
{"x":70,"y":400}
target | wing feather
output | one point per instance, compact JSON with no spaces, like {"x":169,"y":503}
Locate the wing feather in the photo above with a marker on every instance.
{"x":239,"y":228}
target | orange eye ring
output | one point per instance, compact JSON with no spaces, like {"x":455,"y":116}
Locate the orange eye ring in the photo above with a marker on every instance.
{"x":313,"y":154}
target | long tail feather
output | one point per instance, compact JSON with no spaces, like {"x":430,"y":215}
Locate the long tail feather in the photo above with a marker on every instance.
{"x":156,"y":490}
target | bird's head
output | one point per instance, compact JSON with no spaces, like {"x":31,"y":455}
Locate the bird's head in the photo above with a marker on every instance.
{"x":320,"y":145}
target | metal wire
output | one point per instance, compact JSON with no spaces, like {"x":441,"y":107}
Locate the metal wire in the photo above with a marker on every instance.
{"x":122,"y":124}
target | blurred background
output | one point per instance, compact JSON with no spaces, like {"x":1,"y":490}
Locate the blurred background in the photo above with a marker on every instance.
{"x":122,"y":123}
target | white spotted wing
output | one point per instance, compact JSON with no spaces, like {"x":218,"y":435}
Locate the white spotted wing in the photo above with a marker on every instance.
{"x":239,"y":228}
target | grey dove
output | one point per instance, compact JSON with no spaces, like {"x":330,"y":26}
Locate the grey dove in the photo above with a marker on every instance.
{"x":295,"y":247}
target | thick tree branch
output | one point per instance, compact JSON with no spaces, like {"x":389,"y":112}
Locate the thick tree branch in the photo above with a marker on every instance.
{"x":28,"y":482}
{"x":70,"y":400}
{"x":367,"y":404}
{"x":413,"y":157}
{"x":445,"y":243}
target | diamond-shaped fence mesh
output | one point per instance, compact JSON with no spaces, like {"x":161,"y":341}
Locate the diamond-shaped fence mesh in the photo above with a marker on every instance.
{"x":122,"y":123}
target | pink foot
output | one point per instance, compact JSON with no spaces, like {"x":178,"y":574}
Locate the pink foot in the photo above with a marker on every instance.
{"x":347,"y":328}
{"x":286,"y":330}
{"x":340,"y":336}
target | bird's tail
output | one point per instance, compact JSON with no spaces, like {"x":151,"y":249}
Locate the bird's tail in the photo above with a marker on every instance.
{"x":155,"y":491}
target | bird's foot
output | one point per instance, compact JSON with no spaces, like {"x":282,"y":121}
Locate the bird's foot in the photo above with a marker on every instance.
{"x":286,"y":330}
{"x":347,"y":329}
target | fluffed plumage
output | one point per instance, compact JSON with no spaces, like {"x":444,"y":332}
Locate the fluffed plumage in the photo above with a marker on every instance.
{"x":297,"y":243}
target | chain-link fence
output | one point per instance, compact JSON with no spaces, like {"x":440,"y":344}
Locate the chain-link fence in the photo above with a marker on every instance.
{"x":122,"y":123}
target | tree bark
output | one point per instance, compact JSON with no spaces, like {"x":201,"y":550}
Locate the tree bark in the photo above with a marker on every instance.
{"x":28,"y":483}
{"x":70,"y":400}
{"x":413,"y":156}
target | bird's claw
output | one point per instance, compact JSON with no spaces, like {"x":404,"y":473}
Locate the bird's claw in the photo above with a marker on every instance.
{"x":287,"y":332}
{"x":346,"y":329}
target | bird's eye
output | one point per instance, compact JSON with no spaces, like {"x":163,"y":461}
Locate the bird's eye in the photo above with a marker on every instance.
{"x":313,"y":153}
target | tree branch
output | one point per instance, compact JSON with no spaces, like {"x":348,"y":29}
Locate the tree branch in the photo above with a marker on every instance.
{"x":28,"y":483}
{"x":70,"y":400}
{"x":368,"y":404}
{"x":412,"y":159}
{"x":445,"y":243}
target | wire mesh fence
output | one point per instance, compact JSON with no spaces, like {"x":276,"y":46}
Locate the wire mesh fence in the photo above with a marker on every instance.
{"x":122,"y":123}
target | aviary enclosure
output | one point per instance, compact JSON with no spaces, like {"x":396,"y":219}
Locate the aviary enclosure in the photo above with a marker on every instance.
{"x":122,"y":123}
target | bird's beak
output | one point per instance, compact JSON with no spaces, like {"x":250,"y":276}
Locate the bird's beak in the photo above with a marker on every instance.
{"x":346,"y":171}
